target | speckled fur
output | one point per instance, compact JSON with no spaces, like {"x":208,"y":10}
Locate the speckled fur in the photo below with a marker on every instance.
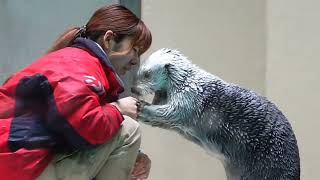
{"x":248,"y":133}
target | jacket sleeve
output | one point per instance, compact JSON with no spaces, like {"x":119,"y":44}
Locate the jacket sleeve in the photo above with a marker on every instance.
{"x":79,"y":116}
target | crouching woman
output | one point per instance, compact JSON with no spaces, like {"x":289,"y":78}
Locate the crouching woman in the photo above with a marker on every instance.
{"x":61,"y":116}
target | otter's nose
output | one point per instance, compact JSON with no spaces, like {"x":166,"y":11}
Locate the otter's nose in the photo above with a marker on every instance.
{"x":135,"y":91}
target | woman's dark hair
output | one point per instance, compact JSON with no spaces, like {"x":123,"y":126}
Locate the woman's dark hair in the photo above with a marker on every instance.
{"x":116,"y":18}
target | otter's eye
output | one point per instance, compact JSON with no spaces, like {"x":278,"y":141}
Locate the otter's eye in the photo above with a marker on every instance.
{"x":147,"y":74}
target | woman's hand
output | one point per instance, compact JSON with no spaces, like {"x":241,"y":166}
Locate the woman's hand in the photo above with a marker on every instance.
{"x":127,"y":106}
{"x":142,"y":167}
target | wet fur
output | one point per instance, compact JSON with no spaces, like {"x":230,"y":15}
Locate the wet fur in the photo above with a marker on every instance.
{"x":248,"y":133}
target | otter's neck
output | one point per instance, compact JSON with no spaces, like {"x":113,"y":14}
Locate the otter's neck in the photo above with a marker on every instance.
{"x":188,"y":86}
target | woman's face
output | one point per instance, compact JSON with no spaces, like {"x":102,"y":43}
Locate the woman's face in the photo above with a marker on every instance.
{"x":122,"y":56}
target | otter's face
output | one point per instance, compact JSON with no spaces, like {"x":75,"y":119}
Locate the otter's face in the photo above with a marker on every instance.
{"x":153,"y":75}
{"x":152,"y":78}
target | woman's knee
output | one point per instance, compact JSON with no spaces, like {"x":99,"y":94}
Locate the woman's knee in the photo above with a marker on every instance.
{"x":130,"y":131}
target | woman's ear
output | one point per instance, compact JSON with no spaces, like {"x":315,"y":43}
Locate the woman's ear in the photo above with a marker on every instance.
{"x":108,"y":40}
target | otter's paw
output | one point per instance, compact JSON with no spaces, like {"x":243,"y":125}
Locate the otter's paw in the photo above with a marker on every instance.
{"x":141,"y":104}
{"x":144,"y":112}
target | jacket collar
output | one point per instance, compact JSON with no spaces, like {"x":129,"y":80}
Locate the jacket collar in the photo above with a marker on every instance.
{"x":97,"y":50}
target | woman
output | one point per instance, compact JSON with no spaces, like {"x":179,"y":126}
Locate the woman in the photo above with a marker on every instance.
{"x":60,"y":117}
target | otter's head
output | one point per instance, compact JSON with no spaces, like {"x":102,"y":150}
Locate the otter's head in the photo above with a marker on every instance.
{"x":153,"y":74}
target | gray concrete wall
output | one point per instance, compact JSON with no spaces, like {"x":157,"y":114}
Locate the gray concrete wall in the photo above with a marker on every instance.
{"x":293,"y":76}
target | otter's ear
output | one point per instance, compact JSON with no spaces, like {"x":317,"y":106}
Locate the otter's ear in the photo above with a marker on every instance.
{"x":168,"y":67}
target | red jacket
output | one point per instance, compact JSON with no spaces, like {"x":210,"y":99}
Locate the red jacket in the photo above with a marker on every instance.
{"x":58,"y":103}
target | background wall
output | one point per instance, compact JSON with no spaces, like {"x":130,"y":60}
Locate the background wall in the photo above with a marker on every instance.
{"x":225,"y":37}
{"x":293,"y":76}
